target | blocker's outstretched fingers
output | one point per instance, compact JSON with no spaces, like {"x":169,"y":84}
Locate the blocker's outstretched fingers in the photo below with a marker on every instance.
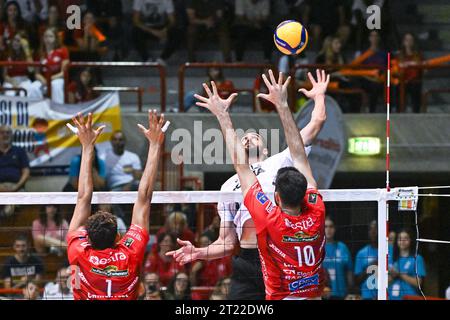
{"x":72,"y":128}
{"x":166,"y":126}
{"x":286,"y":83}
{"x":311,"y":78}
{"x":319,"y":76}
{"x":207,"y":90}
{"x":201,"y":98}
{"x":266,"y":81}
{"x":272,"y":78}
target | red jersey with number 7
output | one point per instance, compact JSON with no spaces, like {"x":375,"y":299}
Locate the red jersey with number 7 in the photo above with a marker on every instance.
{"x":291,"y":248}
{"x":109,"y":274}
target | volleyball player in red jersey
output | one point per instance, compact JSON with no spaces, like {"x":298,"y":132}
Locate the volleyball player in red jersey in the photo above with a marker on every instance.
{"x":290,"y":233}
{"x":105,"y":267}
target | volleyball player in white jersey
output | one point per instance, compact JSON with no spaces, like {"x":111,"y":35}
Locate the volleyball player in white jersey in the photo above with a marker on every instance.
{"x":237,"y":227}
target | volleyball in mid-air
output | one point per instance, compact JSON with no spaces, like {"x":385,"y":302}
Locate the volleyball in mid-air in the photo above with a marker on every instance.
{"x":290,"y":37}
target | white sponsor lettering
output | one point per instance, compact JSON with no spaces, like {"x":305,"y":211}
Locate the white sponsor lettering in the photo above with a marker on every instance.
{"x":301,"y":225}
{"x":118,"y":256}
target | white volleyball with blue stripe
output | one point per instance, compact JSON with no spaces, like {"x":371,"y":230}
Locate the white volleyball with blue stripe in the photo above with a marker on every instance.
{"x":291,"y":37}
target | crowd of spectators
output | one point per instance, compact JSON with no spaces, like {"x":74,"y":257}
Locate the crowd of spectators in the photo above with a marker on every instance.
{"x":36,"y":31}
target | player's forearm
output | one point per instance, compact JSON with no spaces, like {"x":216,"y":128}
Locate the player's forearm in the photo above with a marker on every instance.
{"x":293,"y":138}
{"x":85,"y":180}
{"x":318,"y":118}
{"x":148,"y":178}
{"x":215,"y":250}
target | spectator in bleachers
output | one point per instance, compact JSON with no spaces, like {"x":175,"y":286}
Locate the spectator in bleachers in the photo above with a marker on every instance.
{"x":12,"y":23}
{"x":359,"y":20}
{"x":331,"y":52}
{"x":20,"y":76}
{"x":376,"y":56}
{"x":212,"y":231}
{"x":54,"y":21}
{"x":30,"y":291}
{"x":153,"y":287}
{"x":225,"y":88}
{"x":251,"y":23}
{"x":338,"y":263}
{"x":206,"y":17}
{"x":81,"y":90}
{"x":221,"y":289}
{"x":402,"y":274}
{"x":176,"y":223}
{"x":22,"y":267}
{"x":179,"y":287}
{"x":123,"y":167}
{"x":353,"y":295}
{"x":49,"y":231}
{"x":157,"y":261}
{"x":55,"y":57}
{"x":109,"y":18}
{"x":207,"y":273}
{"x":98,"y":170}
{"x":59,"y":290}
{"x":33,"y":11}
{"x":323,"y":17}
{"x":409,"y":56}
{"x":14,"y":168}
{"x":89,"y":40}
{"x":154,"y":20}
{"x":366,"y":264}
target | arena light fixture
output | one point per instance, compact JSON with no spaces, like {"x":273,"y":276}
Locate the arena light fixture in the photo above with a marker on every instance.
{"x":364,"y":146}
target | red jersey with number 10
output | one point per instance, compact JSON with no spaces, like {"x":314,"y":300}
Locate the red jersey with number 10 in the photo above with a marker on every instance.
{"x":291,"y":248}
{"x":109,"y":274}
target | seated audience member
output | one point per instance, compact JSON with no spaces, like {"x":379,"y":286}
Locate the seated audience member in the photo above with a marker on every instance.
{"x":99,"y":173}
{"x":54,"y":21}
{"x":22,"y":267}
{"x":110,"y":18}
{"x":89,"y":40}
{"x":207,"y":17}
{"x":224,"y":86}
{"x":50,"y":230}
{"x":409,"y":56}
{"x":11,"y":25}
{"x":154,"y":20}
{"x":81,"y":90}
{"x":338,"y":263}
{"x":176,"y":223}
{"x":212,"y":231}
{"x":33,"y":11}
{"x":14,"y":168}
{"x":207,"y":273}
{"x":377,"y":57}
{"x":30,"y":291}
{"x":402,"y":274}
{"x":153,"y":287}
{"x":59,"y":290}
{"x":353,"y":295}
{"x":157,"y":261}
{"x":221,"y":289}
{"x":123,"y":167}
{"x":55,"y":57}
{"x":179,"y":287}
{"x":359,"y":19}
{"x":251,"y":22}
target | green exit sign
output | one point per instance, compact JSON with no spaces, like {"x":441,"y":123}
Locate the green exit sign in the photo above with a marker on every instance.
{"x":364,"y":146}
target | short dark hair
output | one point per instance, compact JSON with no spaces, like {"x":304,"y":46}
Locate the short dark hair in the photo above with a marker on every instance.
{"x":102,"y":230}
{"x":291,"y":186}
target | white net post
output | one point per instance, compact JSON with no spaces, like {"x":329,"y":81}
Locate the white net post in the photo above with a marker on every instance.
{"x":383,"y":244}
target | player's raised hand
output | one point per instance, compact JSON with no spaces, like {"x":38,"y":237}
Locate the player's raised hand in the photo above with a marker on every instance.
{"x":319,"y":86}
{"x":278,"y":90}
{"x":86,"y":134}
{"x":187,"y":253}
{"x":213,"y":102}
{"x":155,"y":131}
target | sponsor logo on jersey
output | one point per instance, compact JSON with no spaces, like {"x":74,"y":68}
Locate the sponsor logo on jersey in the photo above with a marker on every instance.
{"x":128,"y":242}
{"x":110,"y":271}
{"x":300,"y":237}
{"x":304,"y":282}
{"x":302,"y":225}
{"x":270,"y":207}
{"x":261,"y":197}
{"x":312,"y":198}
{"x":277,"y":250}
{"x":118,"y":256}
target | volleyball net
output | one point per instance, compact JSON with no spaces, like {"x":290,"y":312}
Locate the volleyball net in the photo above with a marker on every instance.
{"x":364,"y":230}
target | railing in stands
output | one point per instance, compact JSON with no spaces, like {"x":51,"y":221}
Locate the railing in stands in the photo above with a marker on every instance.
{"x":150,"y":65}
{"x":206,"y":65}
{"x":331,"y":68}
{"x":138,"y":90}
